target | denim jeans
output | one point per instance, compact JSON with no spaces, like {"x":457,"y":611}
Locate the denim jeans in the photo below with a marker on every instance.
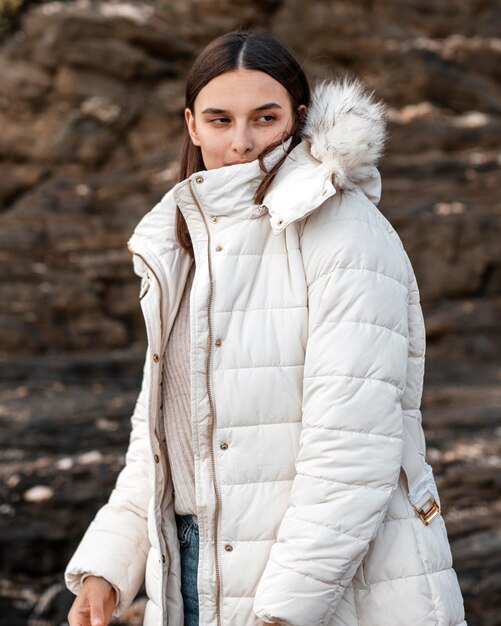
{"x":187,"y":532}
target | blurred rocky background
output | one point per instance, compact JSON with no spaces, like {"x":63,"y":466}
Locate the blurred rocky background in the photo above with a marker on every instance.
{"x":91,"y":113}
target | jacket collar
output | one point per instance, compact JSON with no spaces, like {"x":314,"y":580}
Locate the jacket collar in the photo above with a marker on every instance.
{"x":343,"y":137}
{"x":228,"y":190}
{"x":303,"y":184}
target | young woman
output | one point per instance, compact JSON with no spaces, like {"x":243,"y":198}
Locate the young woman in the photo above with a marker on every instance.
{"x":276,"y":468}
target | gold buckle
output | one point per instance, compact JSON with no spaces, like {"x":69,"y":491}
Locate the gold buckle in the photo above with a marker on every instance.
{"x":430,"y":514}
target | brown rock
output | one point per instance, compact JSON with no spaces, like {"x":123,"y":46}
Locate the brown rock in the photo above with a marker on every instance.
{"x":24,"y":81}
{"x":91,"y":118}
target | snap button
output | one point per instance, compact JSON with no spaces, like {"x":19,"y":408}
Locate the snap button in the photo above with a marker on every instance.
{"x":218,"y":342}
{"x":228,"y":547}
{"x":223,"y":446}
{"x":157,"y":458}
{"x":199,"y":179}
{"x":156,"y":358}
{"x":219,"y":248}
{"x":214,"y":219}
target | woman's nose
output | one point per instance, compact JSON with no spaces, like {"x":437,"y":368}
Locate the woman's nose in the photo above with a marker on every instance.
{"x":242,"y":141}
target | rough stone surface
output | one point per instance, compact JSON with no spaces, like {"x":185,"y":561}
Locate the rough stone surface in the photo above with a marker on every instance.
{"x":91,"y":115}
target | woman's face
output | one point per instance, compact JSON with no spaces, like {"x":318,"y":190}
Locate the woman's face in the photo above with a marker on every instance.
{"x":238,"y":114}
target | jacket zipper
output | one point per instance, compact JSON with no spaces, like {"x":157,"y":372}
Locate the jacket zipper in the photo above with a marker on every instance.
{"x":163,"y":456}
{"x":165,"y":468}
{"x":212,"y":417}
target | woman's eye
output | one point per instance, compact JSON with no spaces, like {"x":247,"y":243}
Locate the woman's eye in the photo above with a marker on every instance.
{"x":217,"y":119}
{"x":221,"y":120}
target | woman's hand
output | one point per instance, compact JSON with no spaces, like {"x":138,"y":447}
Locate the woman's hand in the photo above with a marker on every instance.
{"x":94,"y":604}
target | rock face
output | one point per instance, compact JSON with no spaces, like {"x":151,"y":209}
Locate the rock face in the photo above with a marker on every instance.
{"x":91,"y":116}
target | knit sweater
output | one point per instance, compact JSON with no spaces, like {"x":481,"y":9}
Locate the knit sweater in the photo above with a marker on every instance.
{"x":177,"y":407}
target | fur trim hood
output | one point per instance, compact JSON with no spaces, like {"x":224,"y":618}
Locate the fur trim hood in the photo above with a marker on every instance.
{"x":346,"y":129}
{"x":344,"y":135}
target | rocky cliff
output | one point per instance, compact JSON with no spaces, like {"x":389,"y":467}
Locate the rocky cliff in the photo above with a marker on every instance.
{"x":91,"y":113}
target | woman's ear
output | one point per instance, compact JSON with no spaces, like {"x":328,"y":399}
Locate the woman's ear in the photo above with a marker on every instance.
{"x":302,"y":108}
{"x":190,"y":123}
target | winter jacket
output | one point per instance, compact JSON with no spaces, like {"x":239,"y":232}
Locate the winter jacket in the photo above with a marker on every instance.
{"x":315,"y":503}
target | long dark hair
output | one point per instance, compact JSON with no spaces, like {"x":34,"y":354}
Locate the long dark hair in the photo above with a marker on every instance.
{"x":242,"y":50}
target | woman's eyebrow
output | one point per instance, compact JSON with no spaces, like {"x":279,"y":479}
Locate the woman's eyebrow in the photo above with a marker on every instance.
{"x":268,"y":105}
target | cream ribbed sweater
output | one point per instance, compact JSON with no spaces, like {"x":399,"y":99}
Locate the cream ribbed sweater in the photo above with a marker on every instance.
{"x":177,"y":407}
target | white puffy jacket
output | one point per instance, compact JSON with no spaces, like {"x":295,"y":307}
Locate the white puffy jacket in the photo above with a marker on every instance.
{"x":307,"y":363}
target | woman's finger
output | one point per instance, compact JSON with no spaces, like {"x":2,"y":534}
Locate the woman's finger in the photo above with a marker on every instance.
{"x":79,"y":614}
{"x":96,"y":610}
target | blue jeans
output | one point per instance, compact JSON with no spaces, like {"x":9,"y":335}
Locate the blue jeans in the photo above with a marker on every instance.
{"x":187,"y":532}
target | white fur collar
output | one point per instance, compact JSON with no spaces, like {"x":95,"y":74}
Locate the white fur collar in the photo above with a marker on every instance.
{"x":346,"y":128}
{"x":343,"y":137}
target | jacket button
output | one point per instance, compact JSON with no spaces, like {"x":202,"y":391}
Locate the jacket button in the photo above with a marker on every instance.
{"x":228,"y":547}
{"x":157,"y":458}
{"x":156,"y":358}
{"x":214,"y":219}
{"x":199,"y":179}
{"x":218,"y":343}
{"x":223,"y":446}
{"x":280,"y":222}
{"x":219,"y":248}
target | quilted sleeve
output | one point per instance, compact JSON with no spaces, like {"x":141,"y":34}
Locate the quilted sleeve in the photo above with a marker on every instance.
{"x":351,"y":441}
{"x":115,"y":545}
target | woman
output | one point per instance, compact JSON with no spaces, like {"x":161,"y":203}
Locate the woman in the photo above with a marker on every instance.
{"x":304,"y":498}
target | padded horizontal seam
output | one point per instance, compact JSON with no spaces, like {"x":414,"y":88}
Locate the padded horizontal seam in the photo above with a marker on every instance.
{"x":367,"y":378}
{"x":258,"y":482}
{"x":318,"y":580}
{"x":298,"y":421}
{"x":355,"y":269}
{"x":328,"y":321}
{"x":412,"y":409}
{"x":408,"y":410}
{"x":254,"y":367}
{"x":261,"y":254}
{"x":351,"y":219}
{"x":331,"y":528}
{"x":340,"y":482}
{"x":266,"y":308}
{"x":400,"y":519}
{"x":273,"y":539}
{"x":348,"y":430}
{"x":389,"y":580}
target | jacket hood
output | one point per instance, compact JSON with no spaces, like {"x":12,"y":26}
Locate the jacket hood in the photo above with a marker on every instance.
{"x":344,"y":135}
{"x":346,"y":130}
